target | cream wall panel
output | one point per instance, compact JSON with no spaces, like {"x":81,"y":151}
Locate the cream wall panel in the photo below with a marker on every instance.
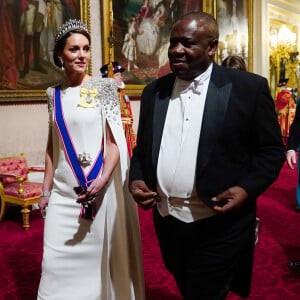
{"x":24,"y":128}
{"x":135,"y":107}
{"x":95,"y":26}
{"x":260,"y":45}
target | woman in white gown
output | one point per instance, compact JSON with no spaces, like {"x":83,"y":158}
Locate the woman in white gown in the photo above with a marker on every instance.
{"x":92,"y":247}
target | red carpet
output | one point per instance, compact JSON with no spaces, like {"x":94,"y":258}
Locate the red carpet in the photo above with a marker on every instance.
{"x":279,"y":240}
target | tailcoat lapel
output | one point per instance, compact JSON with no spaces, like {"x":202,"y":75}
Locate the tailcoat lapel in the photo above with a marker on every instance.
{"x":216,"y":104}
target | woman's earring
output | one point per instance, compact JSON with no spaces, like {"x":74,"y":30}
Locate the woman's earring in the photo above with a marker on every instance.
{"x":62,"y":64}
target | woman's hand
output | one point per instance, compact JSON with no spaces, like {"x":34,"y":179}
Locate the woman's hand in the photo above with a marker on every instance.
{"x":111,"y":160}
{"x":43,"y":203}
{"x":97,"y":185}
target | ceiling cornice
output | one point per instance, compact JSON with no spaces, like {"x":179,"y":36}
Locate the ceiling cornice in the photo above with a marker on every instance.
{"x":289,"y":5}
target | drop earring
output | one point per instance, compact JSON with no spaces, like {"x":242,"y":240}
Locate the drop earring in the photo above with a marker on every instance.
{"x":62,"y":64}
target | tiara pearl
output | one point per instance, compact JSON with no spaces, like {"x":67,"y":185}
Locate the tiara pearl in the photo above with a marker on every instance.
{"x":70,"y":25}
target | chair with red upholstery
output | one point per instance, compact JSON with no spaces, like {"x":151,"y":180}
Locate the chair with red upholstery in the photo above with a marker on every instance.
{"x":15,"y":188}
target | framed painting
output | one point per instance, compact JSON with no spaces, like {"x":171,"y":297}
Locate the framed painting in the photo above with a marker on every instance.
{"x":235,"y":19}
{"x":136,"y":34}
{"x":27,"y":34}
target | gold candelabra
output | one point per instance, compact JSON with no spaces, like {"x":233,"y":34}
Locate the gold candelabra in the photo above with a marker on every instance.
{"x":283,"y":58}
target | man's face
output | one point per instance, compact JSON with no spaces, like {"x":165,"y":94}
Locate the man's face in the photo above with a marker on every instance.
{"x":119,"y":78}
{"x":190,"y":52}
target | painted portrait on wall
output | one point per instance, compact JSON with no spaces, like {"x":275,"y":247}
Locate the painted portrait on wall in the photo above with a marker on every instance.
{"x":234,"y":17}
{"x":27,"y":31}
{"x":141,"y":30}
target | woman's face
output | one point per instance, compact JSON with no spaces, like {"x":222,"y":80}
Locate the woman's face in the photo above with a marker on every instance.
{"x":76,"y":54}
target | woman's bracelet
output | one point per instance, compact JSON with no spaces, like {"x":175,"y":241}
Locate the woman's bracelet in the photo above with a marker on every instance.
{"x":45,"y":194}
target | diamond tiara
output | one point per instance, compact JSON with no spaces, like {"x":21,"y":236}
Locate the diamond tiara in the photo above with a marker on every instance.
{"x":70,"y":25}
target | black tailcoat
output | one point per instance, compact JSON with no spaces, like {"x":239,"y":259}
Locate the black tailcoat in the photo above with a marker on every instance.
{"x":240,"y":141}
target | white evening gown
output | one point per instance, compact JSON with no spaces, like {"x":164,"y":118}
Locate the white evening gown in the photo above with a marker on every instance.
{"x":99,"y":259}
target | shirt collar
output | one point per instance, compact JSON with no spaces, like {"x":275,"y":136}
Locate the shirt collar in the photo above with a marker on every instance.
{"x":184,"y":86}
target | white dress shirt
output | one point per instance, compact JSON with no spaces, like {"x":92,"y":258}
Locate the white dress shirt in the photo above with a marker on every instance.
{"x":178,"y":151}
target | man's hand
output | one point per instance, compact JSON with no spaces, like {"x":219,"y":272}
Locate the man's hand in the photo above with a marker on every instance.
{"x":291,"y":158}
{"x":142,"y":195}
{"x":230,"y":199}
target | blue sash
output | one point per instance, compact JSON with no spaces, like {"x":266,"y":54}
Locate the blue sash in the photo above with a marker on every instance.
{"x":83,"y":180}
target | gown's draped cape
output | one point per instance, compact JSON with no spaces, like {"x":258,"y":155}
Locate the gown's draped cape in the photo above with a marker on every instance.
{"x":99,"y":259}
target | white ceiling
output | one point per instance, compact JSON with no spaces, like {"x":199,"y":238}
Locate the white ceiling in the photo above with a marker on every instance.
{"x":284,"y":11}
{"x":293,"y":5}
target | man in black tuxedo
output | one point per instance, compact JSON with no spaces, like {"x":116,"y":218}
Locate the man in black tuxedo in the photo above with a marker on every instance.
{"x":208,"y":145}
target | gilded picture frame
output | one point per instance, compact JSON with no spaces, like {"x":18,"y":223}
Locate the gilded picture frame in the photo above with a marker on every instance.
{"x":235,"y":19}
{"x":26,"y":44}
{"x":144,"y":57}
